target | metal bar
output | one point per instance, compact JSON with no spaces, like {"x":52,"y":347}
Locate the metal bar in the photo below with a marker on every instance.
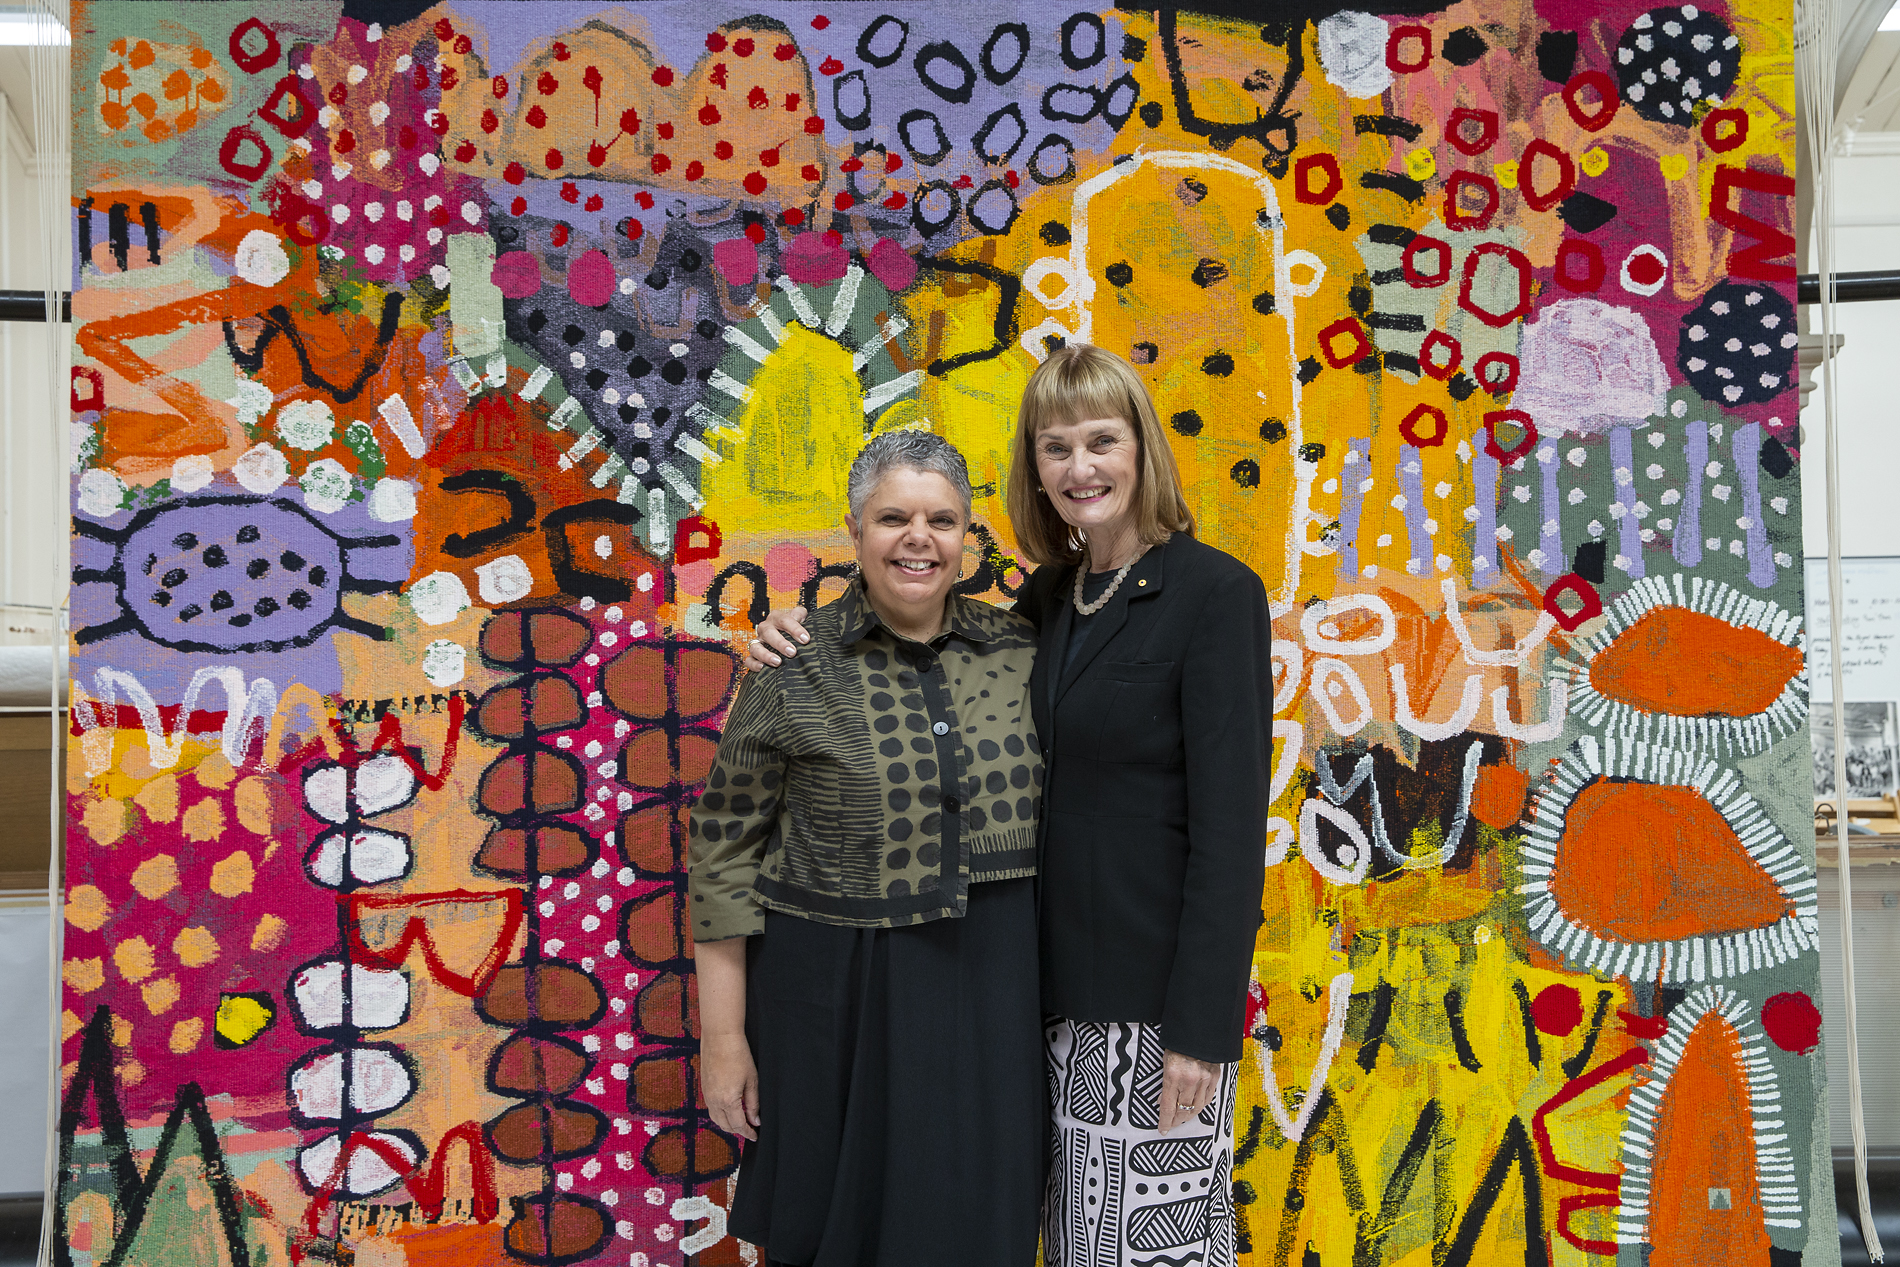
{"x":30,"y":305}
{"x":1881,"y":283}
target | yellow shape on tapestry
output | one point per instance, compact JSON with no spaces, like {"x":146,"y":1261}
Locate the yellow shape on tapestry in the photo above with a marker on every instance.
{"x":195,"y":947}
{"x":83,"y":976}
{"x":160,"y":996}
{"x":203,"y":821}
{"x":802,"y":426}
{"x":156,"y":876}
{"x":241,"y":1018}
{"x":159,"y":798}
{"x":234,"y":875}
{"x":87,"y":908}
{"x":269,"y":933}
{"x":1506,"y":174}
{"x":134,"y":959}
{"x":1421,"y":165}
{"x":1595,"y":161}
{"x":1674,"y":166}
{"x":215,"y":772}
{"x":253,"y":806}
{"x":187,"y":1034}
{"x":107,"y":821}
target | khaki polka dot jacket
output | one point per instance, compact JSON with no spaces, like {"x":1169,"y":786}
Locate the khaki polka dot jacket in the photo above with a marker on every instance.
{"x":870,"y":780}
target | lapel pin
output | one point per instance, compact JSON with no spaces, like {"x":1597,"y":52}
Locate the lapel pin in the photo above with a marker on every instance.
{"x":1141,"y":585}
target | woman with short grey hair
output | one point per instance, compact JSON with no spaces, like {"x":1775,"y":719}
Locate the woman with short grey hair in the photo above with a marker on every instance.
{"x":862,"y":903}
{"x":909,"y":450}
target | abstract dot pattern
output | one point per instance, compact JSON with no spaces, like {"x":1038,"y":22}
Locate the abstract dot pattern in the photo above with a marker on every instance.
{"x":1738,"y":344}
{"x":1675,"y":60}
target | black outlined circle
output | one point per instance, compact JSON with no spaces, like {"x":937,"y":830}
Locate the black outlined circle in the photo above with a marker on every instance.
{"x":1119,"y":115}
{"x":1036,"y":162}
{"x":1062,"y":112}
{"x":987,"y":188}
{"x":1000,"y":154}
{"x":991,"y":71}
{"x":869,"y":182}
{"x":945,"y":51}
{"x":865,"y":53}
{"x":919,"y":154}
{"x":1075,"y":23}
{"x":861,"y":119}
{"x":921,"y":219}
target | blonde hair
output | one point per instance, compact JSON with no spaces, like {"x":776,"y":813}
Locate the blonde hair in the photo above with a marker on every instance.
{"x":1083,"y":383}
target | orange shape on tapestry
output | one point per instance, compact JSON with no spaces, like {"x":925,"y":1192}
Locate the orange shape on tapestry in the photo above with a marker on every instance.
{"x":450,"y":1245}
{"x":1731,"y":672}
{"x":1705,"y":1144}
{"x":558,"y":1229}
{"x":653,"y":837}
{"x":1657,"y":862}
{"x":652,"y":929}
{"x":676,"y":1155}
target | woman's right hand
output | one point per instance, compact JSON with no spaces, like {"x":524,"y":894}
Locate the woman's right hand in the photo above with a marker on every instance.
{"x":776,"y":638}
{"x":729,"y":1081}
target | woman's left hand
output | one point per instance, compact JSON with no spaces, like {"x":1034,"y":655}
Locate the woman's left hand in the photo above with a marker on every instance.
{"x":1187,"y":1086}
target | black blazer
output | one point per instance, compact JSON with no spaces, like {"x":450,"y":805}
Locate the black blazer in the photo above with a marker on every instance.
{"x":1157,"y":748}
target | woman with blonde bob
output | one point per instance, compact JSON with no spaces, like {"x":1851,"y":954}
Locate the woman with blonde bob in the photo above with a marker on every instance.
{"x":1152,"y":696}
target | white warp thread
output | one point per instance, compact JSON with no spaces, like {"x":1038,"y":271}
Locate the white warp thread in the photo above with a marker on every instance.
{"x":1814,"y":54}
{"x":51,"y":65}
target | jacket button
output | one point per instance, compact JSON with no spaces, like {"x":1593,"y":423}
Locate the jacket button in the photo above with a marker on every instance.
{"x":950,"y":804}
{"x":941,"y":728}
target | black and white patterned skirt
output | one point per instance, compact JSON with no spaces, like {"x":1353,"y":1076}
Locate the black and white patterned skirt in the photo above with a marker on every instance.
{"x":1121,"y":1194}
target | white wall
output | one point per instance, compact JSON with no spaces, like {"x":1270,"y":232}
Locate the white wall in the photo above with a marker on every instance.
{"x":33,"y":500}
{"x":1867,"y":193}
{"x":33,"y":488}
{"x":25,"y":1047}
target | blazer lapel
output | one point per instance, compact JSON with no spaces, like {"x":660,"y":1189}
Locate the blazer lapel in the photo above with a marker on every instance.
{"x":1057,"y":623}
{"x":1143,"y":581}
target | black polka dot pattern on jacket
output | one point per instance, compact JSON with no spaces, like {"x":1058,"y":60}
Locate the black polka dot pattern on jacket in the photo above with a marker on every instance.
{"x":1673,"y":59}
{"x":910,"y":772}
{"x":1738,"y":344}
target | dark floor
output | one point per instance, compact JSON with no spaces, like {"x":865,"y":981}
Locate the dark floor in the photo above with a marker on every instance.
{"x":1883,"y":1186}
{"x":19,"y":1229}
{"x":20,"y":1215}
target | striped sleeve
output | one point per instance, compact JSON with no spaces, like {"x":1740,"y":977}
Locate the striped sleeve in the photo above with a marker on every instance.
{"x":735,"y":815}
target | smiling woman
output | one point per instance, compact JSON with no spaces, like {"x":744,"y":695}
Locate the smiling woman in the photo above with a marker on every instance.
{"x":910,"y":509}
{"x":1152,"y":701}
{"x":862,"y":904}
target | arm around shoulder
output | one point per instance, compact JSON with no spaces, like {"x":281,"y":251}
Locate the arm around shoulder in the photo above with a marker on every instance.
{"x":1032,"y":600}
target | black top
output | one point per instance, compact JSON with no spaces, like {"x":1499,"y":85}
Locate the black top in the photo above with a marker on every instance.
{"x":1157,"y":743}
{"x":1092,"y":586}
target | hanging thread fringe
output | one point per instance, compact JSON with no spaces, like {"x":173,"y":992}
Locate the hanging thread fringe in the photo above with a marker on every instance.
{"x":1814,"y":41}
{"x":51,"y":65}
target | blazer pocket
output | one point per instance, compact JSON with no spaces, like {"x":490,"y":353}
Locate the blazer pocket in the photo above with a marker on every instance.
{"x":1133,"y":671}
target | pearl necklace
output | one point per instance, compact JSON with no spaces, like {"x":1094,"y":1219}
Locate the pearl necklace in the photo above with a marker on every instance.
{"x":1081,"y":570}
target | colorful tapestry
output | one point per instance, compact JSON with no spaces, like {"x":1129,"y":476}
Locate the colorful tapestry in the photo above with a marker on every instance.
{"x":455,"y":387}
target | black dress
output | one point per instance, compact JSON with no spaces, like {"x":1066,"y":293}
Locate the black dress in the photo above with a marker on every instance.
{"x":901,"y":1091}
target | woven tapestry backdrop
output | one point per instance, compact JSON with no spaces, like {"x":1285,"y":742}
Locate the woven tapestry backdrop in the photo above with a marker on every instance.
{"x":455,"y":386}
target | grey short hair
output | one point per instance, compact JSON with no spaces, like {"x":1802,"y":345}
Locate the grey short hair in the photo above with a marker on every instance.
{"x":910,"y":451}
